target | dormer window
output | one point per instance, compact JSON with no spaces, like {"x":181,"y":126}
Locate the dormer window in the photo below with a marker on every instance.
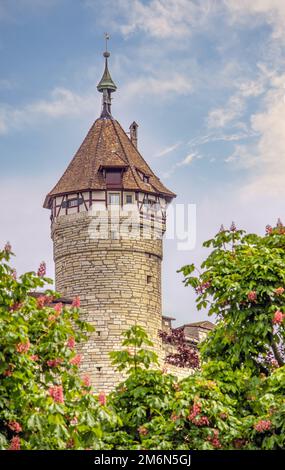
{"x":113,"y":177}
{"x":143,"y":177}
{"x":146,"y":179}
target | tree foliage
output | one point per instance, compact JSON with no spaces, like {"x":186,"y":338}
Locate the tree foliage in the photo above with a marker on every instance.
{"x":44,"y":402}
{"x":233,"y":400}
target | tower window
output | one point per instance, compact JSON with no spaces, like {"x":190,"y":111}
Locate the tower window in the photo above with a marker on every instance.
{"x":72,"y":203}
{"x":114,"y":198}
{"x":148,"y":279}
{"x":114,"y":235}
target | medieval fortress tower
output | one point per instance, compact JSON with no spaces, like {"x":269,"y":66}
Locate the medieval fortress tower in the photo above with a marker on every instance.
{"x":108,"y":216}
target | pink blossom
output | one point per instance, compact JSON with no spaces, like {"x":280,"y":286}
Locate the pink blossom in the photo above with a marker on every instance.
{"x":142,"y":431}
{"x":54,"y":362}
{"x":34,"y":357}
{"x":71,"y":342}
{"x":76,"y":302}
{"x":58,"y":308}
{"x":196,"y":409}
{"x":263,"y":425}
{"x":86,"y":381}
{"x":203,"y":421}
{"x":15,"y":306}
{"x":174,"y":417}
{"x":23,"y":347}
{"x":15,"y":426}
{"x":52,"y":317}
{"x":42,"y":269}
{"x":278,"y":317}
{"x":70,"y":443}
{"x":15,"y":443}
{"x":268,"y":229}
{"x":274,"y":363}
{"x":233,"y":227}
{"x":279,"y":291}
{"x":41,"y":301}
{"x":75,"y":361}
{"x":8,"y":372}
{"x":14,"y":274}
{"x":74,"y":421}
{"x":252,"y":296}
{"x":214,"y":440}
{"x":56,"y":393}
{"x":102,"y":398}
{"x":8,"y":248}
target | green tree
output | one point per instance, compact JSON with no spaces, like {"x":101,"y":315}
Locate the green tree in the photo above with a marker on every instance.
{"x":242,"y":283}
{"x":44,"y":402}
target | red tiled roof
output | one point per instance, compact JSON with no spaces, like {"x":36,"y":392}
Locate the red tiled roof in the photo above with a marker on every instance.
{"x":106,"y":144}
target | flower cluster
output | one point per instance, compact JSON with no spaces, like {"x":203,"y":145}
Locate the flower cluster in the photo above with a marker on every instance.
{"x":263,"y":425}
{"x":43,"y":300}
{"x":202,"y":287}
{"x":56,"y":392}
{"x":23,"y":347}
{"x":58,"y":309}
{"x":86,"y":381}
{"x":34,"y":357}
{"x":71,"y":342}
{"x":15,"y":426}
{"x":252,"y":296}
{"x":54,"y":362}
{"x":8,"y":248}
{"x":193,"y":416}
{"x":15,"y":443}
{"x":279,"y":290}
{"x":278,"y":317}
{"x":142,"y":431}
{"x":42,"y":269}
{"x":102,"y":399}
{"x":214,"y":440}
{"x":75,"y":361}
{"x":76,"y":302}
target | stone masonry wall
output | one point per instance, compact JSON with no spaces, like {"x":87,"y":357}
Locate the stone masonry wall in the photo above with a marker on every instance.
{"x":119,"y":284}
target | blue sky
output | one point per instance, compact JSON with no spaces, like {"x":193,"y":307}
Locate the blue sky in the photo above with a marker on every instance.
{"x":205,"y":81}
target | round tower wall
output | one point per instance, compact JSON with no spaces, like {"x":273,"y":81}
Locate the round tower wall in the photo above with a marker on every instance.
{"x":119,"y":284}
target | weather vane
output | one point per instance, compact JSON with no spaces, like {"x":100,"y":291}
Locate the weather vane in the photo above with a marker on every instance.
{"x":107,"y":37}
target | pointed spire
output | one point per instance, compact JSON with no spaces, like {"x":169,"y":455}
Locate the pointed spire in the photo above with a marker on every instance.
{"x":106,"y":85}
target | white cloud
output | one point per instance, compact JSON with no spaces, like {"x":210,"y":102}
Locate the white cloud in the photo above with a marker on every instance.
{"x":188,"y":160}
{"x":271,"y":12}
{"x":236,"y":105}
{"x":62,"y":103}
{"x":174,"y":84}
{"x":157,"y":18}
{"x":221,"y":117}
{"x":267,"y":158}
{"x":184,"y":162}
{"x":167,"y":150}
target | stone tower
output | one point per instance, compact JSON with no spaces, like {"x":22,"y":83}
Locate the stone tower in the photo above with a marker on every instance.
{"x":108,"y":216}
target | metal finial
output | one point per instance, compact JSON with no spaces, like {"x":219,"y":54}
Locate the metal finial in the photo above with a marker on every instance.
{"x":106,"y":53}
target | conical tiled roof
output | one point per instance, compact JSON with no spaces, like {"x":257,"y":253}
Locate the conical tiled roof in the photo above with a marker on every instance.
{"x":106,"y":145}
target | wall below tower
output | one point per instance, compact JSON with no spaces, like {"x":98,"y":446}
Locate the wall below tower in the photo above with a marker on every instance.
{"x":119,"y":284}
